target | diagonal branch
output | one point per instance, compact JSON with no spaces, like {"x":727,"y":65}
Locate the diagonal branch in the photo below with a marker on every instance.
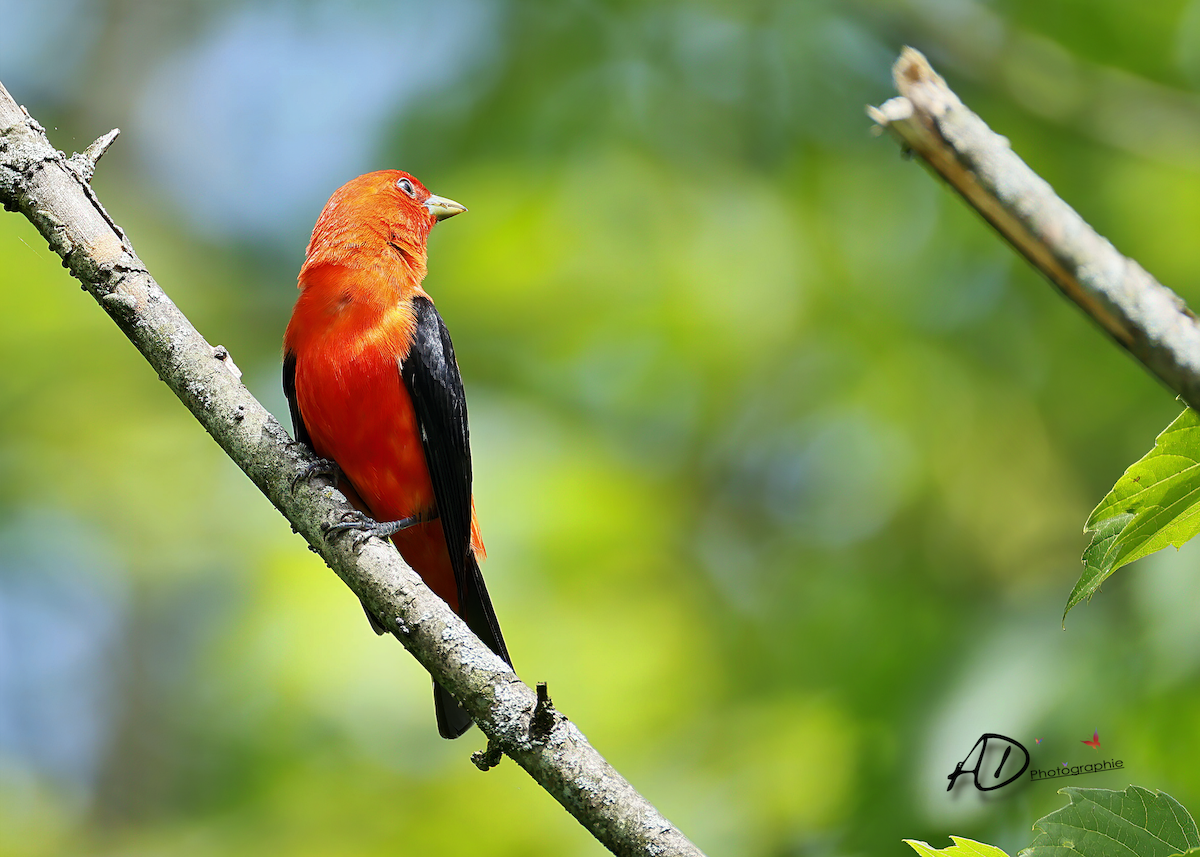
{"x":1142,"y":315}
{"x":53,"y":192}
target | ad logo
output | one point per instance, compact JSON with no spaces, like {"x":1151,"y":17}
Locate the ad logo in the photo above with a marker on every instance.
{"x":980,"y":770}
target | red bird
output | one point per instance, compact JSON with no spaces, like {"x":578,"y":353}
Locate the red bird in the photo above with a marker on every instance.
{"x":370,"y":375}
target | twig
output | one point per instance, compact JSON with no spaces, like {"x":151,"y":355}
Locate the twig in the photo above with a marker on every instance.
{"x":488,"y":758}
{"x":85,"y":162}
{"x":53,"y":193}
{"x":1138,"y":312}
{"x":544,"y":716}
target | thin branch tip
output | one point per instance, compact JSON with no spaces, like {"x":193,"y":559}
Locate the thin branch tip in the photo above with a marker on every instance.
{"x":84,"y":163}
{"x":893,"y":110}
{"x":912,"y":68}
{"x":1140,"y":314}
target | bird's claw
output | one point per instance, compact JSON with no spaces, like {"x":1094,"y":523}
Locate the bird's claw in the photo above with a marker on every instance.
{"x":367,"y":527}
{"x":355,"y":522}
{"x":326,"y":467}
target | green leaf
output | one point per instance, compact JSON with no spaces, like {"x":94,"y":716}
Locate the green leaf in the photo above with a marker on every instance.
{"x":961,"y":848}
{"x":1094,"y":570}
{"x":1154,"y":504}
{"x":1105,"y":823}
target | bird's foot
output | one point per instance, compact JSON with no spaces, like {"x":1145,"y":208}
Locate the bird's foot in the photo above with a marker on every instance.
{"x":366,"y":527}
{"x":326,"y":467}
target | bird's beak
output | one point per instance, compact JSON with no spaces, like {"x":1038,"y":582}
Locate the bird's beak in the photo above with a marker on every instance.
{"x":441,"y":208}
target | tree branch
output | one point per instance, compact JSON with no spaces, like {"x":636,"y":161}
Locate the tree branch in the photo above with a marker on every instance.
{"x":1142,"y":315}
{"x":53,"y":192}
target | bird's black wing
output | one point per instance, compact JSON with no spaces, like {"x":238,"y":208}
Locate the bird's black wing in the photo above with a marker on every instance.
{"x":434,"y":385}
{"x":289,"y":390}
{"x":431,"y":377}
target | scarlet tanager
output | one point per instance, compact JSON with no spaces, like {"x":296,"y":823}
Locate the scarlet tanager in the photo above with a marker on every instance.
{"x":373,"y":385}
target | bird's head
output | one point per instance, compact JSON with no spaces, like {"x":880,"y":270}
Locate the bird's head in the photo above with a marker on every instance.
{"x":375,"y":212}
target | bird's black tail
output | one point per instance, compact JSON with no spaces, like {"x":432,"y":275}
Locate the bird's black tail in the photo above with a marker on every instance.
{"x":476,"y":610}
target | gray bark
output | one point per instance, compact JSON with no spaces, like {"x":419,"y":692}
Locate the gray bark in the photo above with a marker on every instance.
{"x":53,"y":192}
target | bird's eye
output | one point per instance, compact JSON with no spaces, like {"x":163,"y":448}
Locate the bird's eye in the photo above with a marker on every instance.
{"x":407,"y":186}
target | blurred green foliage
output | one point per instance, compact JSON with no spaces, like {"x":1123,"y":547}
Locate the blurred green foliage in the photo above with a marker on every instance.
{"x":782,"y":458}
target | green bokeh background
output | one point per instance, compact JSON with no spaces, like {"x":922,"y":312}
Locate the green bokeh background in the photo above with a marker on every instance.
{"x":782,"y":457}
